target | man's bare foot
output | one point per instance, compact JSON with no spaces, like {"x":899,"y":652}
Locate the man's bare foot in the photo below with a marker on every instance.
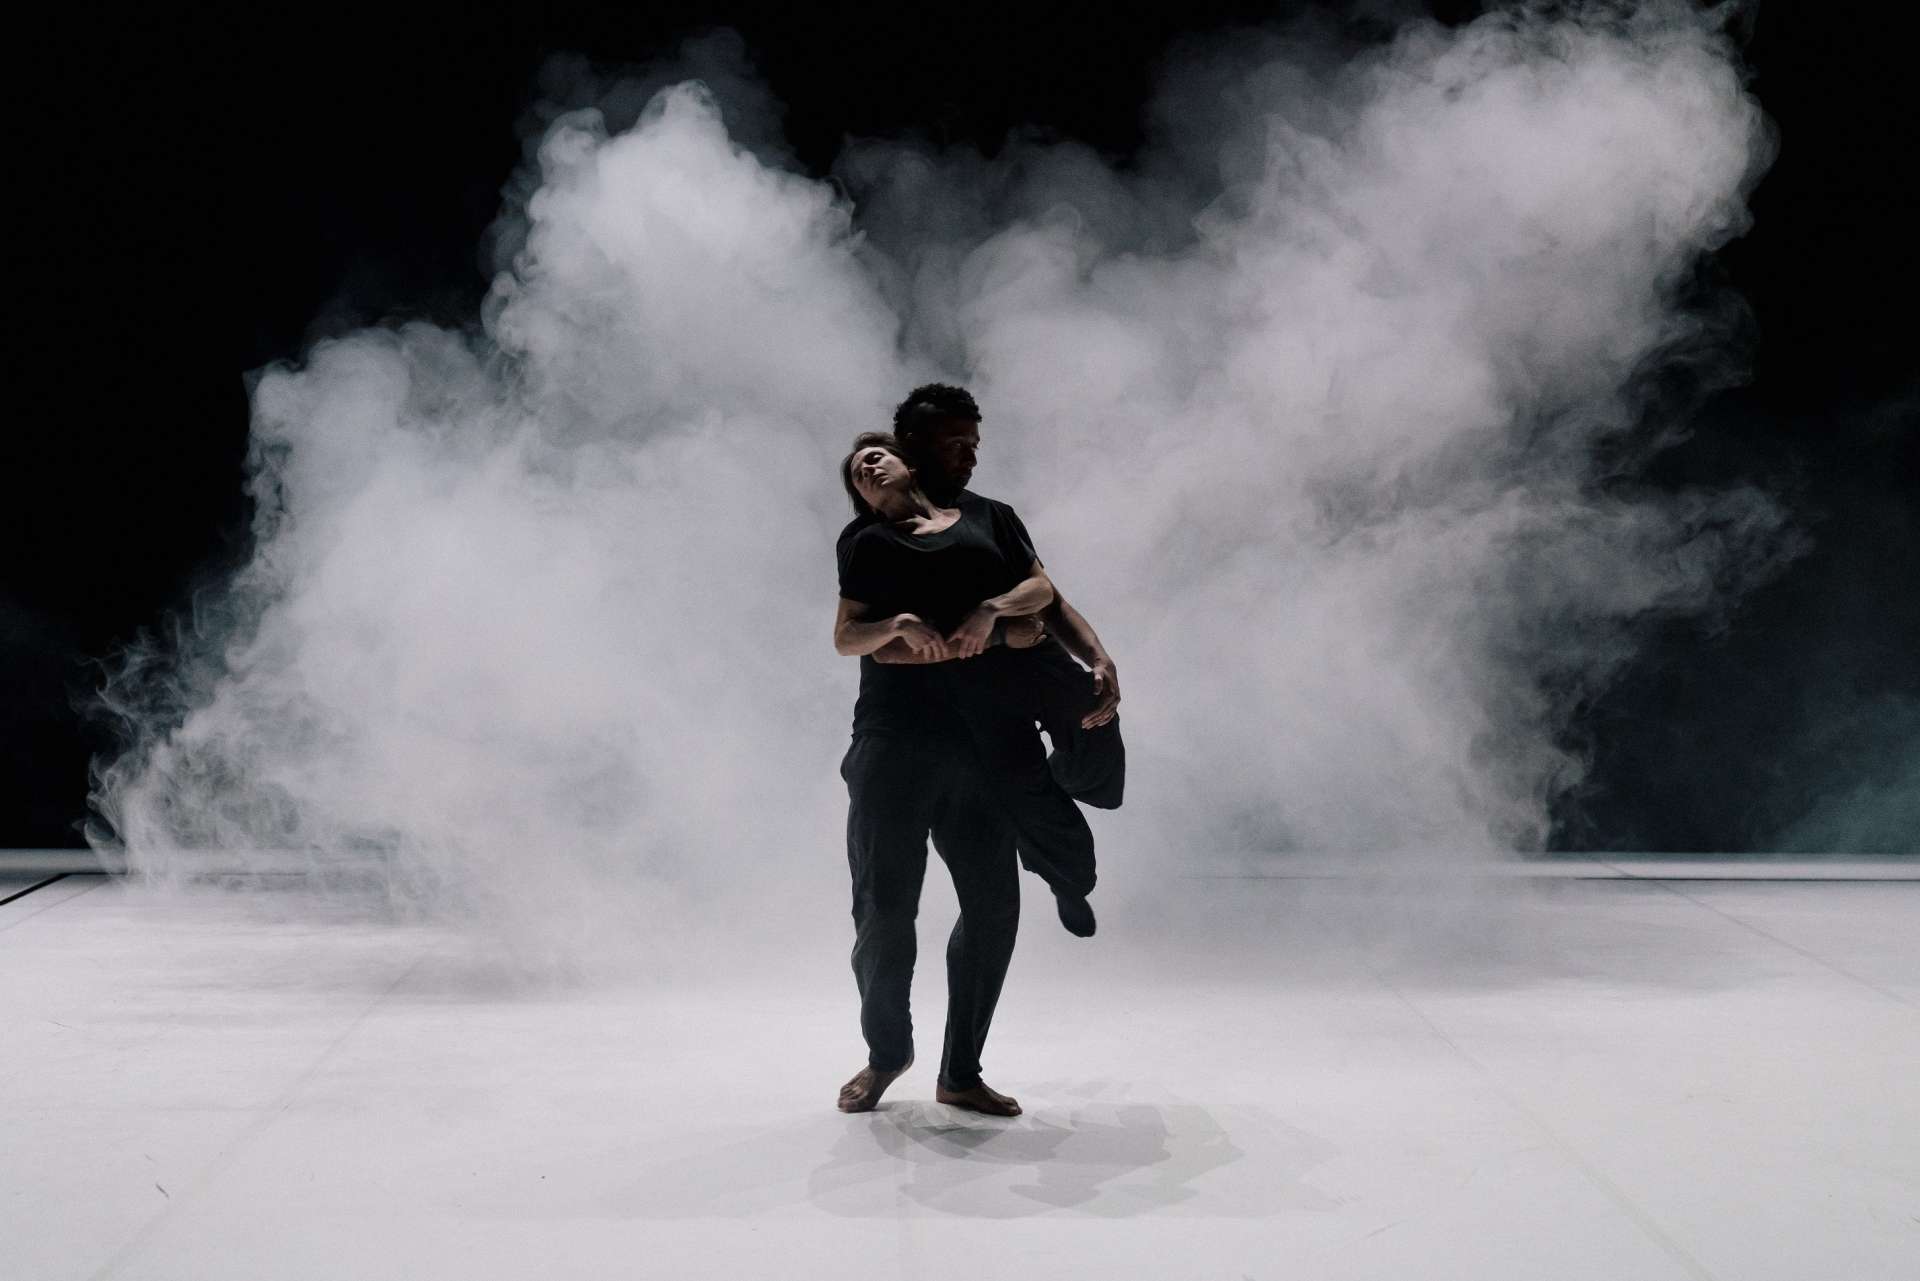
{"x":981,"y":1098}
{"x":862,"y":1094}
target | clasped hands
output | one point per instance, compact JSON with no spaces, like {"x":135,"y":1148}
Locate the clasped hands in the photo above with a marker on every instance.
{"x":967,"y":640}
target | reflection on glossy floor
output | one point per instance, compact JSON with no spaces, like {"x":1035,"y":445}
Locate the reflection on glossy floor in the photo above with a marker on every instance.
{"x":1579,"y":1075}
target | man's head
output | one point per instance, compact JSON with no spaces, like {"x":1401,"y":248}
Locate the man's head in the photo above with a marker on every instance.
{"x":939,"y":428}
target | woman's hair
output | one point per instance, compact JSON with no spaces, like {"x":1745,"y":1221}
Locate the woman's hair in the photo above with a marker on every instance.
{"x":864,"y":441}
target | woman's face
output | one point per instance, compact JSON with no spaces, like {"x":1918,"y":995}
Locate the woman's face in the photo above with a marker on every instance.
{"x":877,"y":470}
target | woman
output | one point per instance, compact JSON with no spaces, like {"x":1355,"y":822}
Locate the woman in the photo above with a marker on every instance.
{"x":943,"y":584}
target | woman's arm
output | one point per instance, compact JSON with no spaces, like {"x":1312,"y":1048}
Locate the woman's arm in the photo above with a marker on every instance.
{"x":854,"y":636}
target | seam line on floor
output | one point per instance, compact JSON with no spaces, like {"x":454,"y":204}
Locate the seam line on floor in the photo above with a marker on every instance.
{"x":57,"y":876}
{"x":1632,"y":1209}
{"x":48,"y":907}
{"x":268,"y":1114}
{"x":1795,"y":948}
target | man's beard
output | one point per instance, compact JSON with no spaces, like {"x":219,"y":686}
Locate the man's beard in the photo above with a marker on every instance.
{"x":937,"y":483}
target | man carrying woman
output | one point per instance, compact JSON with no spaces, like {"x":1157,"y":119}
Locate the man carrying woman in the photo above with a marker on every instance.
{"x":939,"y":602}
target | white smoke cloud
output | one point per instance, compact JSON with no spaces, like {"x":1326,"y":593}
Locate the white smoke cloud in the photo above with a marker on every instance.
{"x":1306,"y":408}
{"x":1341,"y":440}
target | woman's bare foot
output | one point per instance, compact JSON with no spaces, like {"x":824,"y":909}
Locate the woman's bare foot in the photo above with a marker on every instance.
{"x":981,"y":1098}
{"x":862,"y":1094}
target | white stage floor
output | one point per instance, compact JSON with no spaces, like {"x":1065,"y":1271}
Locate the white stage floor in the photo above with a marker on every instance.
{"x":1611,"y":1078}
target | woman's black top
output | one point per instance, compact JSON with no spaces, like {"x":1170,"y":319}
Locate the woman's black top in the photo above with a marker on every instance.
{"x":941,"y":578}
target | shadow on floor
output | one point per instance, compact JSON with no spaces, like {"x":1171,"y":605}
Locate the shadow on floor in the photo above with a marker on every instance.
{"x":1091,"y":1157}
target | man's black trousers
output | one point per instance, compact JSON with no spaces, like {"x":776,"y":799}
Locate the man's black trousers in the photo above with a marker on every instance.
{"x":900,"y":790}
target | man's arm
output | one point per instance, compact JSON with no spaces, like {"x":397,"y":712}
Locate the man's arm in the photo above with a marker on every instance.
{"x":1029,"y":596}
{"x":1014,"y":633}
{"x":1077,"y":634}
{"x":1006,"y":619}
{"x":896,"y":651}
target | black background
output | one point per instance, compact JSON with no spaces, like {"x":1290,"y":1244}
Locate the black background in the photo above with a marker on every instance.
{"x":202,"y":195}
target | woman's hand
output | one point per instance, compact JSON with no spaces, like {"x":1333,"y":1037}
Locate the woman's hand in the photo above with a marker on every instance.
{"x":923,"y":640}
{"x":971,"y":637}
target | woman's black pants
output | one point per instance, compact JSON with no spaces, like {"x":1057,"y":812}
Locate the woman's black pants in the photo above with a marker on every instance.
{"x":999,"y":696}
{"x":900,"y":790}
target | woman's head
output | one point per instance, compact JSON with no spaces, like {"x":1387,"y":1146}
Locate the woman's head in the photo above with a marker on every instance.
{"x":874,"y":468}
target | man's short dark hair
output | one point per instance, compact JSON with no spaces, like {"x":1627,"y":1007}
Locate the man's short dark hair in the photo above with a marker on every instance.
{"x":928,"y":406}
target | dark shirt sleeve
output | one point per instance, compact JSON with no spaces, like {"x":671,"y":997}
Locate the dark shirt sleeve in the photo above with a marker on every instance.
{"x":847,"y":532}
{"x":1010,"y":532}
{"x":860,"y":567}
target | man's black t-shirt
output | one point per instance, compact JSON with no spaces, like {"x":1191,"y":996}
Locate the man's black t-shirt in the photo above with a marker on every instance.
{"x":940,"y":577}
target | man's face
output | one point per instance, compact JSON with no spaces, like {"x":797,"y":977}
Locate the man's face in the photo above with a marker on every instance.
{"x":953,"y":446}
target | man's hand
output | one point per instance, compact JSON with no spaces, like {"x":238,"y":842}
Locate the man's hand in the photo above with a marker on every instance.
{"x":1023,"y":633}
{"x":922,"y":639}
{"x":971,"y":637}
{"x":1106,"y":695}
